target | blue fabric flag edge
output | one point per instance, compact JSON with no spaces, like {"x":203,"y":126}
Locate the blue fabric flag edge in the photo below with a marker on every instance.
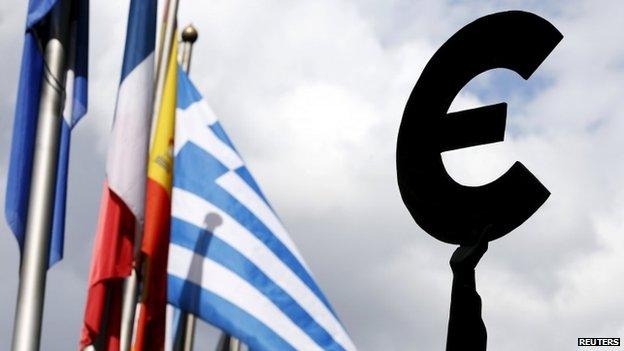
{"x":25,"y":124}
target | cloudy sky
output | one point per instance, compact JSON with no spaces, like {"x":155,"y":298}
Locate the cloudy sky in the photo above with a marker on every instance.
{"x":312,"y":93}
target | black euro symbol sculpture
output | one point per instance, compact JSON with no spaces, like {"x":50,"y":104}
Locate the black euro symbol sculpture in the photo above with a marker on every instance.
{"x":469,"y":216}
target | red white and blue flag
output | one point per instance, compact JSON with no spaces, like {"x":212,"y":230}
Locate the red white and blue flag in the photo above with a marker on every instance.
{"x":123,"y":198}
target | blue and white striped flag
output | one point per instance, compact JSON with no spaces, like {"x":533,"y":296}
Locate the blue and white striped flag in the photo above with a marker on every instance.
{"x":27,"y":112}
{"x":231,"y":262}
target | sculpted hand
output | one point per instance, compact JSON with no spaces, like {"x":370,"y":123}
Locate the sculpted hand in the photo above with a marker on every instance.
{"x":466,"y":258}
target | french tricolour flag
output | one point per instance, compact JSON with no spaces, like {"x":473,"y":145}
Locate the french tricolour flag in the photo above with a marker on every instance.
{"x":27,"y":112}
{"x":231,"y":262}
{"x":122,"y":207}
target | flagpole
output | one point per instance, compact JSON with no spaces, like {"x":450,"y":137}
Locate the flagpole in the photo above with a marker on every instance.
{"x":235,"y":344}
{"x":164,"y":49}
{"x":228,"y":343}
{"x":131,"y":284}
{"x":34,"y":264}
{"x":189,"y":36}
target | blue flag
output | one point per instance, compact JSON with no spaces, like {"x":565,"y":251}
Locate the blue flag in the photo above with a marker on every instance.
{"x":27,"y":111}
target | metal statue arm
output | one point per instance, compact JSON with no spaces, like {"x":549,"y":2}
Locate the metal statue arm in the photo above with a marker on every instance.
{"x":466,"y":330}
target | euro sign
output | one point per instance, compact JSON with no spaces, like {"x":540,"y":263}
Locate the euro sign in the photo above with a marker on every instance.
{"x":449,"y":211}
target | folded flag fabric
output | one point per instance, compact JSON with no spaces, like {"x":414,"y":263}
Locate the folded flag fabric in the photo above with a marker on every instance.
{"x":121,"y":211}
{"x":27,"y":112}
{"x":231,"y":262}
{"x":150,"y":330}
{"x":110,"y":264}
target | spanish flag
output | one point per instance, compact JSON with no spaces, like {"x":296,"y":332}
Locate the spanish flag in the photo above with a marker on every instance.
{"x":150,"y":333}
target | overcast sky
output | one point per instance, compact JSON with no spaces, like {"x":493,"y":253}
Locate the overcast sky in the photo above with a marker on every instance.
{"x":312,"y":93}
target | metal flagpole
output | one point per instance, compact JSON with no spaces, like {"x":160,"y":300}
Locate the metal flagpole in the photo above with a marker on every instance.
{"x":164,"y":49}
{"x":34,"y":265}
{"x":128,"y":307}
{"x":228,"y":343}
{"x":235,"y":344}
{"x":131,"y":285}
{"x":185,"y":343}
{"x":189,"y":36}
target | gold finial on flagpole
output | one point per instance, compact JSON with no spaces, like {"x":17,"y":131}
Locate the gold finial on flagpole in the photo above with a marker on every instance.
{"x":189,"y":34}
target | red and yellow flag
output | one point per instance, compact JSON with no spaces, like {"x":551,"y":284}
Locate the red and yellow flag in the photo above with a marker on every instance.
{"x":150,"y":334}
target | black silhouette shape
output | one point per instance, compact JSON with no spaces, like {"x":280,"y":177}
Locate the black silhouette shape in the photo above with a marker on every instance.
{"x":451,"y":212}
{"x":466,"y":330}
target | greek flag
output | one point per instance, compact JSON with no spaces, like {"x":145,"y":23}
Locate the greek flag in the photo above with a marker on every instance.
{"x":231,"y":262}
